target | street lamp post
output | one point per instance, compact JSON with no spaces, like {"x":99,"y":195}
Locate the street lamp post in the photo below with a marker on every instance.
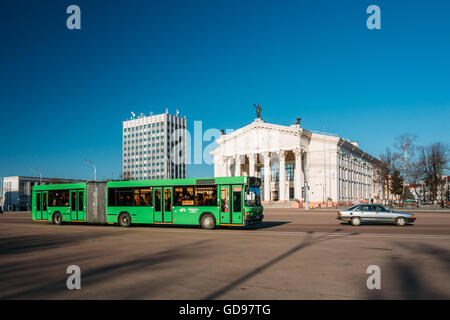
{"x":95,"y":169}
{"x":306,"y":195}
{"x":40,"y":174}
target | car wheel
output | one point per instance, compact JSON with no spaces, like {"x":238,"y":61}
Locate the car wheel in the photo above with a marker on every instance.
{"x":400,"y":221}
{"x":208,"y":222}
{"x":124,"y":220}
{"x":57,"y":219}
{"x":356,"y":221}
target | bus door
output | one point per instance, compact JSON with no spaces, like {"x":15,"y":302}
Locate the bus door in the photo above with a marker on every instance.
{"x":41,"y":205}
{"x":73,"y":205}
{"x":167,"y":209}
{"x":157,"y":202}
{"x":80,"y":194}
{"x":236,"y":209}
{"x":38,"y":205}
{"x":225,"y":212}
{"x":44,"y":212}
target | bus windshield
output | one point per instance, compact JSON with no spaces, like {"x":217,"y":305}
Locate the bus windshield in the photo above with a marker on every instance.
{"x":252,"y":196}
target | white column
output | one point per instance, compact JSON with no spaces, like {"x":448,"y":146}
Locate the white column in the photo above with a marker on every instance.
{"x":251,"y":164}
{"x":298,"y":179}
{"x":306,"y":179}
{"x":267,"y":175}
{"x":228,"y":163}
{"x":282,"y":182}
{"x":237,"y":165}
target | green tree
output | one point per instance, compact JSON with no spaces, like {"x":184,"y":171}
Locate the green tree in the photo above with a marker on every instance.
{"x":397,"y":183}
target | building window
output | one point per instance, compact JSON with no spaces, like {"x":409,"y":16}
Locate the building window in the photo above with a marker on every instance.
{"x":290,"y":172}
{"x":291,"y":193}
{"x":260,"y":173}
{"x":275,"y":171}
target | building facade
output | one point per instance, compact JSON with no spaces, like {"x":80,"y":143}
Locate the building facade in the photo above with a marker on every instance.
{"x":16,"y":191}
{"x":154,"y":147}
{"x":295,"y":163}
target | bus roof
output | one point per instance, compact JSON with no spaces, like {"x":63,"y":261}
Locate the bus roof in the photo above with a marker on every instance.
{"x":175,"y":182}
{"x":60,"y":186}
{"x":162,"y":182}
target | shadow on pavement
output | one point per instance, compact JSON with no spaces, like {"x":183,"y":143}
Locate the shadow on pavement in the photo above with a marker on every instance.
{"x":308,"y":241}
{"x":30,"y":243}
{"x":265,"y":225}
{"x":409,"y":277}
{"x":26,"y":280}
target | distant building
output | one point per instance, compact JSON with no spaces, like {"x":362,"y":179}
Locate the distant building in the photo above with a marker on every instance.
{"x":154,"y":147}
{"x":291,"y":161}
{"x":422,"y":192}
{"x":16,"y":191}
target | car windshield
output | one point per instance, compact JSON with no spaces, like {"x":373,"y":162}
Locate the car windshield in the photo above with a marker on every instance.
{"x":252,"y":196}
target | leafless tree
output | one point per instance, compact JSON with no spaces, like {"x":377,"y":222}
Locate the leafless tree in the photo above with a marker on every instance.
{"x":405,"y":144}
{"x":416,"y":173}
{"x":434,"y":160}
{"x":387,"y":168}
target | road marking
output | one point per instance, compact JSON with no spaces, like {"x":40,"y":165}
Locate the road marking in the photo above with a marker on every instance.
{"x":337,"y":235}
{"x":313,"y":234}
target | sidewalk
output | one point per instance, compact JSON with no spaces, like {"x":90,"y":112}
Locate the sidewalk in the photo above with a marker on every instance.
{"x":288,"y":205}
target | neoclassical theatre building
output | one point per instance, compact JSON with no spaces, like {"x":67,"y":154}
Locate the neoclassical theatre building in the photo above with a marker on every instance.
{"x":295,"y":163}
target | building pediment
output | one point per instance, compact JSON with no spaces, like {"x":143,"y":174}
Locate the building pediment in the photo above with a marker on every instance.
{"x":259,"y":137}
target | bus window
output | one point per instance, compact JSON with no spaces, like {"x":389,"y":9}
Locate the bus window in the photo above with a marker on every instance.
{"x":183,"y":196}
{"x":158,"y":200}
{"x":52,"y":198}
{"x":38,"y":202}
{"x":252,"y":196}
{"x":80,"y":201}
{"x":206,"y":196}
{"x":58,"y":198}
{"x":138,"y":198}
{"x":44,"y":202}
{"x":124,"y":197}
{"x":74,"y":201}
{"x":225,"y":198}
{"x":111,"y":197}
{"x":237,"y":199}
{"x":167,"y":200}
{"x":146,"y":194}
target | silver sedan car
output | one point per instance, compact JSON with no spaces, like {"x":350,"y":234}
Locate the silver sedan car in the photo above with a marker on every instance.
{"x":374,"y":213}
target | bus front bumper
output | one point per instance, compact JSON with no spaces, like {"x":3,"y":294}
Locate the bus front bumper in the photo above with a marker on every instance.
{"x":250,"y":220}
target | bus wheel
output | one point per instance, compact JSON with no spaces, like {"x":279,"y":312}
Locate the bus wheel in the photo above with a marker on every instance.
{"x":57,"y":218}
{"x":124,"y":220}
{"x":208,"y":222}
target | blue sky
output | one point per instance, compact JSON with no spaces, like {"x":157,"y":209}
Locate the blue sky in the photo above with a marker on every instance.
{"x":64,"y":94}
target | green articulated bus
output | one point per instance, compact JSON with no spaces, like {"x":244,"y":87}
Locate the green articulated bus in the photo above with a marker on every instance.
{"x":208,"y":202}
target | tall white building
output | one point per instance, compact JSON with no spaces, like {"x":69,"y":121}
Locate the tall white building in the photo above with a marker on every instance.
{"x":291,"y":161}
{"x":154,"y":147}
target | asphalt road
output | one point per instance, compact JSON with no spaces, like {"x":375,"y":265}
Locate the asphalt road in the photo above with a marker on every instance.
{"x":294,"y":254}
